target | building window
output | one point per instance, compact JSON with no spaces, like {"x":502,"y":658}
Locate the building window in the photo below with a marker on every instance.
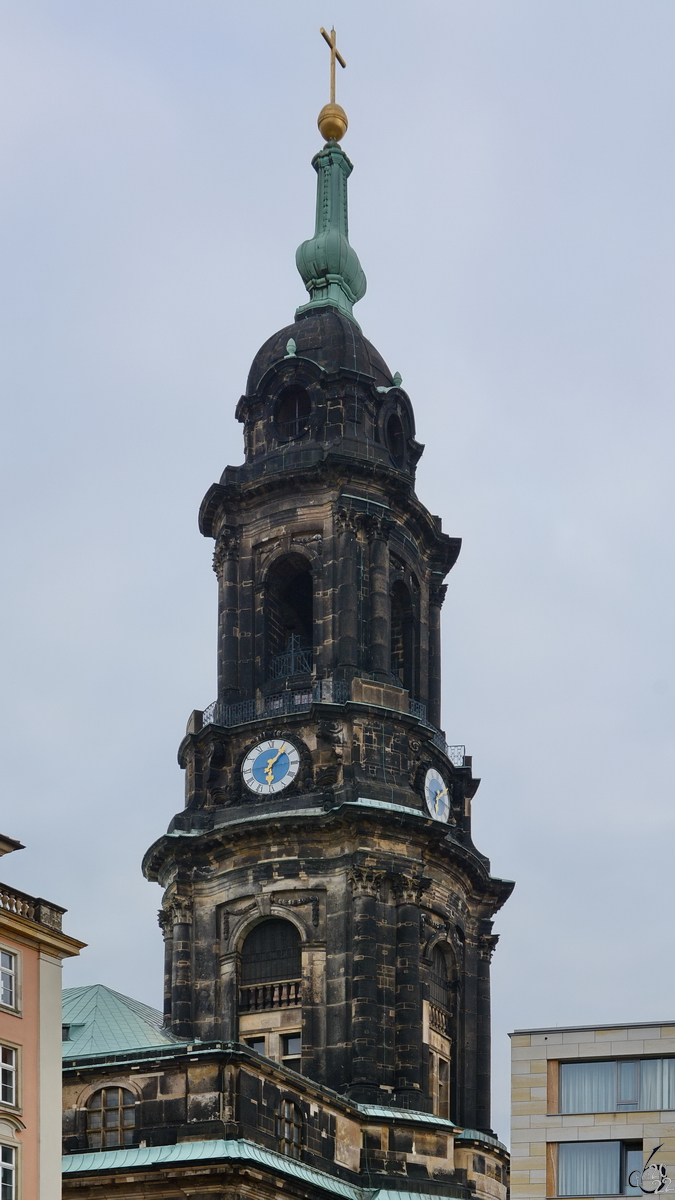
{"x":643,"y":1085}
{"x":7,"y":1173}
{"x":289,"y":1129}
{"x":439,"y":1080}
{"x":598,"y":1168}
{"x":8,"y":979}
{"x":291,"y":1051}
{"x":395,"y":438}
{"x":271,"y":952}
{"x":8,"y":1074}
{"x":111,"y":1118}
{"x":289,"y":618}
{"x":404,"y":640}
{"x":258,"y":1044}
{"x":293,"y":412}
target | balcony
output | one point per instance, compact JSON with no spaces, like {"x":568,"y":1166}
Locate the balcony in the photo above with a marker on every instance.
{"x":30,"y":907}
{"x":296,"y":659}
{"x":260,"y":997}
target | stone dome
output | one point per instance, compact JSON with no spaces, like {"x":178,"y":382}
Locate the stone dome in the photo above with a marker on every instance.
{"x":328,"y":338}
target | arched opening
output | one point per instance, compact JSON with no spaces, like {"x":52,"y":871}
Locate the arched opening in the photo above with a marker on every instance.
{"x":111,"y":1118}
{"x":271,"y":953}
{"x":289,"y":618}
{"x":293,"y":410}
{"x":270,"y":979}
{"x":402,"y":637}
{"x":395,"y":437}
{"x":439,"y":991}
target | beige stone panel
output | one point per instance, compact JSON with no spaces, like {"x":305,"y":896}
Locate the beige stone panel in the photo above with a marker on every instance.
{"x":538,"y":1079}
{"x":639,"y":1034}
{"x":347,"y":1142}
{"x":518,"y":1122}
{"x":535,"y":1107}
{"x":659,"y":1046}
{"x":591,"y":1134}
{"x":519,"y":1147}
{"x":520,"y":1093}
{"x":520,"y":1067}
{"x":577,"y":1120}
{"x":520,"y":1039}
{"x":593,"y":1050}
{"x":627,"y":1131}
{"x":520,"y":1052}
{"x":538,"y":1177}
{"x":551,"y":1121}
{"x":612,"y":1035}
{"x":536,"y":1162}
{"x":547,"y":1039}
{"x":522,"y":1136}
{"x":562,"y":1135}
{"x":571,"y":1037}
{"x":540,"y":1093}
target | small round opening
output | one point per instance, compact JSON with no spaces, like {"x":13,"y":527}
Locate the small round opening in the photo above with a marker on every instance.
{"x":293,"y":410}
{"x":396,"y":440}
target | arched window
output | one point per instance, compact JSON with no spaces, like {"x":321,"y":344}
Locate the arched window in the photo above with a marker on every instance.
{"x":289,"y":618}
{"x":292,"y":414}
{"x":271,"y":966}
{"x":438,"y":980}
{"x":395,"y":440}
{"x":289,"y":1129}
{"x":402,"y":637}
{"x":111,"y":1118}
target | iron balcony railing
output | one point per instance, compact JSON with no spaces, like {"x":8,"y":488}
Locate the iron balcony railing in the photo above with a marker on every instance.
{"x":296,"y":660}
{"x":297,"y":700}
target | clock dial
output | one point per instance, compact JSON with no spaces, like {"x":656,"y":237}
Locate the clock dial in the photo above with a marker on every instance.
{"x":437,"y":795}
{"x":270,"y":766}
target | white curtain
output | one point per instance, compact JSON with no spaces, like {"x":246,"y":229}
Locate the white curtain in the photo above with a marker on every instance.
{"x":588,"y":1087}
{"x":657,"y":1084}
{"x":589,"y":1168}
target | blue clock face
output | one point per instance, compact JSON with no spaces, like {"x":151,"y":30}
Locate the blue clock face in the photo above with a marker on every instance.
{"x":436,"y":794}
{"x":270,"y":766}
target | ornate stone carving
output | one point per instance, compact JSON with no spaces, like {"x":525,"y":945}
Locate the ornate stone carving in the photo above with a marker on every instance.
{"x":227,"y":547}
{"x":298,"y":902}
{"x":181,"y":910}
{"x":487,"y":944}
{"x":409,"y":889}
{"x":346,"y":521}
{"x":365,"y":882}
{"x":165,"y":920}
{"x":437,"y":593}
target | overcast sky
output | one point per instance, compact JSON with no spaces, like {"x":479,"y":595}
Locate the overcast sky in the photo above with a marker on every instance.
{"x":512,"y":205}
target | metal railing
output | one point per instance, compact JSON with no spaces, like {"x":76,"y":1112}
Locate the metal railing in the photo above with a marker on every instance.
{"x":259,"y":996}
{"x":301,"y":699}
{"x":296,"y":660}
{"x":323,"y":691}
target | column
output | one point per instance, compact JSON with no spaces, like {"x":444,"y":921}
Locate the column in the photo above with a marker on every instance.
{"x":486,"y":948}
{"x":437,"y":593}
{"x":407,"y":891}
{"x":181,"y":969}
{"x":380,"y":604}
{"x":165,"y":918}
{"x":365,"y":889}
{"x":226,"y":566}
{"x":347,"y":594}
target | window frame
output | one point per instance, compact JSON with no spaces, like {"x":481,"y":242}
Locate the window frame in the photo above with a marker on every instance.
{"x":14,"y":1166}
{"x":624,"y":1147}
{"x":92,"y":1131}
{"x":621,"y":1106}
{"x":14,"y":1104}
{"x":17,"y":976}
{"x":294,"y":1120}
{"x":285,"y":1058}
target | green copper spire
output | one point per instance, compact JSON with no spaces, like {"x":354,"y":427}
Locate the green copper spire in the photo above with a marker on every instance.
{"x":329,"y":267}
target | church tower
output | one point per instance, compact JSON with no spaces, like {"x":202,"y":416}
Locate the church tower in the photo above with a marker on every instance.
{"x":324,"y":901}
{"x":327,"y":918}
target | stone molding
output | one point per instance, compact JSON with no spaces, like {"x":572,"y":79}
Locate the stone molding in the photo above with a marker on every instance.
{"x":227,"y":548}
{"x":364,"y":881}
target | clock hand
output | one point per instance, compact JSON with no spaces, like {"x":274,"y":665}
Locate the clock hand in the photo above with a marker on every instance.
{"x":439,"y":796}
{"x":269,"y":773}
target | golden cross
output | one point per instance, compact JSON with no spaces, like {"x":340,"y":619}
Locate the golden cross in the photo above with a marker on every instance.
{"x":331,"y":38}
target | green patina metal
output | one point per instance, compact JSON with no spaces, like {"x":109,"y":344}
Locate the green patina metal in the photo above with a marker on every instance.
{"x":98,"y":1020}
{"x":329,"y":266}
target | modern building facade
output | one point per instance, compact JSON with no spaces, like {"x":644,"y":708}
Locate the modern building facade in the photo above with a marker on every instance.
{"x":591,"y":1106}
{"x":32,"y":949}
{"x":327,"y":918}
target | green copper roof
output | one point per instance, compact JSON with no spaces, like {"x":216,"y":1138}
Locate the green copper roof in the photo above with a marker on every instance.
{"x":244,"y":1151}
{"x":329,"y":266}
{"x":184,"y":1152}
{"x":101,"y":1021}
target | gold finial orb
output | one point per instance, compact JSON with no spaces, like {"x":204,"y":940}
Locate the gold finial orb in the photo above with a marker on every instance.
{"x":332,"y":122}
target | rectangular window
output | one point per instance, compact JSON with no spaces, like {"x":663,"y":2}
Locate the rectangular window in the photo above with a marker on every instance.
{"x":291,"y":1051}
{"x":598,"y":1168}
{"x":8,"y":1074}
{"x":258,"y":1044}
{"x":7,"y":978}
{"x":645,"y":1085}
{"x":7,"y":1173}
{"x":444,"y":1088}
